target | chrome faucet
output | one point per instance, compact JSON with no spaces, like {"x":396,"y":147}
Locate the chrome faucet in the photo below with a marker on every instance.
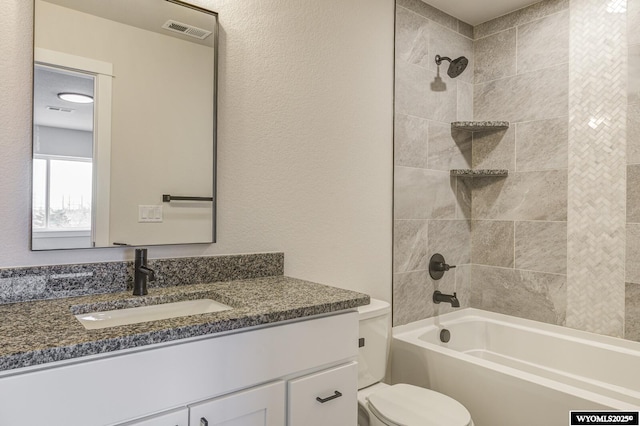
{"x":142,"y":273}
{"x":448,"y":298}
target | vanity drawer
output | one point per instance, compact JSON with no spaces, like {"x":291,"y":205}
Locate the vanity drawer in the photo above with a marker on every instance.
{"x":328,"y":397}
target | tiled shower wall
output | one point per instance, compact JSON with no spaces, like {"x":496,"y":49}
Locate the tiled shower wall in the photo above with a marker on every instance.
{"x":519,"y":242}
{"x":564,"y":196}
{"x":431,"y":210}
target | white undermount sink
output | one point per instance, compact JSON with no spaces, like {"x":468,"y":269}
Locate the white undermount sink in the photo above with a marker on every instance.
{"x":106,"y":319}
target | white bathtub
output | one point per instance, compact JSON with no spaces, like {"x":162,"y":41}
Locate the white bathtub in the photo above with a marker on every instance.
{"x":515,"y":372}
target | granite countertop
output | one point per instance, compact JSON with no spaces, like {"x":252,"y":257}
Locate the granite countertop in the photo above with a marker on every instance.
{"x":39,"y":332}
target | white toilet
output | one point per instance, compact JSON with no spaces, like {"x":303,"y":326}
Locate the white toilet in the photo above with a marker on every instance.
{"x":380,"y":404}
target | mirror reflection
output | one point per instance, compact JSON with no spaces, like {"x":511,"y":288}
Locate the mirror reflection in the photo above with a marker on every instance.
{"x":124,"y":124}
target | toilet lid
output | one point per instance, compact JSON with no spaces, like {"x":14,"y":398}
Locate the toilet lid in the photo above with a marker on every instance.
{"x":407,"y":405}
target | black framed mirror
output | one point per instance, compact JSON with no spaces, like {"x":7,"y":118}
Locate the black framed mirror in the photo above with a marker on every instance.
{"x":124,"y":124}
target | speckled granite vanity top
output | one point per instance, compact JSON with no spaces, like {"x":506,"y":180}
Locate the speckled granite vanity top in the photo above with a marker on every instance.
{"x":38,"y":332}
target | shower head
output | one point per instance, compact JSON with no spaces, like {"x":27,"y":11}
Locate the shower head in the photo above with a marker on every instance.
{"x":456,"y":66}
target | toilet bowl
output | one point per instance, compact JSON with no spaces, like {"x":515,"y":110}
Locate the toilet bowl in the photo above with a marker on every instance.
{"x":380,"y":404}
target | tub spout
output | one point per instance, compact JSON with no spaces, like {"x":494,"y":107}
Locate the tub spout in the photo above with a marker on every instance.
{"x":448,"y":298}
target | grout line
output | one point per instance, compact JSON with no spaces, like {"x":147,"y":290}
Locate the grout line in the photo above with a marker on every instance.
{"x":514,"y":244}
{"x":520,"y":220}
{"x":516,"y":269}
{"x":555,"y":65}
{"x":544,"y":119}
{"x":518,"y":25}
{"x":422,"y":168}
{"x":515,"y":149}
{"x":515,"y":56}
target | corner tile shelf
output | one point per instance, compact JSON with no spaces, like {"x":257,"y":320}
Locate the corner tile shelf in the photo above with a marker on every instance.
{"x":479,"y":126}
{"x":479,"y":173}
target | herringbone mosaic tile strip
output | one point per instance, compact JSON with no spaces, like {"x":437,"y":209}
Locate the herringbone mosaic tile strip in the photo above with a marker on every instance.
{"x":597,"y":166}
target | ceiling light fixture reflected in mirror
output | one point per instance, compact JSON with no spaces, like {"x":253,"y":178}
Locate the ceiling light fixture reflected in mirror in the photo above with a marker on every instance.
{"x":76,"y":98}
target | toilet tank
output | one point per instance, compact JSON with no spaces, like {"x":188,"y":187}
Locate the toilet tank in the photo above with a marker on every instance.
{"x":375,"y":328}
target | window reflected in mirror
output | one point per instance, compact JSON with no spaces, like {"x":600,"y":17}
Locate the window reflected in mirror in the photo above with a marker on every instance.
{"x":63,"y":120}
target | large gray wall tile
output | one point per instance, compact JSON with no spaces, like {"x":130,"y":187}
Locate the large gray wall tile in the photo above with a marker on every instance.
{"x":541,"y":246}
{"x":449,"y":43}
{"x":452,"y":239}
{"x":633,"y":21}
{"x":465,"y":101}
{"x":494,"y":150}
{"x":412,"y":297}
{"x":492,"y":243}
{"x":633,"y":193}
{"x":465,"y":29}
{"x":634,"y":74}
{"x":542,"y":145}
{"x":412,"y":38}
{"x":411,"y":141}
{"x":411,"y":89}
{"x":423,"y":194}
{"x":532,"y":295}
{"x":632,"y":267}
{"x":521,"y":196}
{"x":495,"y":56}
{"x":532,"y":96}
{"x":463,"y":197}
{"x":519,"y":17}
{"x":410,"y":245}
{"x":448,"y":149}
{"x":632,"y":311}
{"x":463,"y":285}
{"x":633,"y":134}
{"x":543,"y":42}
{"x":415,"y":96}
{"x":430,"y":12}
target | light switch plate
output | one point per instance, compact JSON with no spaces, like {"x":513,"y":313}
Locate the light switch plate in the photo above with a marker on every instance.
{"x":149,"y":214}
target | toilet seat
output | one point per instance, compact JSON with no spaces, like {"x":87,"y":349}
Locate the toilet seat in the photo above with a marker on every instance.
{"x":408,"y":405}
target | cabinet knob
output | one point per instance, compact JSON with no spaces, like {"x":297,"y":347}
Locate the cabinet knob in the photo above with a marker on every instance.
{"x":203,"y":422}
{"x":329,"y":398}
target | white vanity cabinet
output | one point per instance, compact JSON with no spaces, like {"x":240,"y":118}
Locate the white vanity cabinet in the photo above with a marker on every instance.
{"x":324,"y":398}
{"x":173,"y":418}
{"x":259,"y":406}
{"x":275,"y":371}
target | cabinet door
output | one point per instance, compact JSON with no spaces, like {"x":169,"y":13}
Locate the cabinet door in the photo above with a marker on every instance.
{"x":329,"y":397}
{"x":174,"y":418}
{"x":259,"y":406}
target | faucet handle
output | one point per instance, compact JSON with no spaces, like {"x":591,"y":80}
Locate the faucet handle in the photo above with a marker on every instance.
{"x":438,"y":266}
{"x":446,"y":267}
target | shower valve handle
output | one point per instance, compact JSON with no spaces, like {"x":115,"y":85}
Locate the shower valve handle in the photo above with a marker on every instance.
{"x":438,"y":266}
{"x":441,"y":266}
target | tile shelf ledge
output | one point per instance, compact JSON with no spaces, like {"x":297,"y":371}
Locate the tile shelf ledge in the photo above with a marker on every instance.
{"x":479,"y":173}
{"x":479,"y":126}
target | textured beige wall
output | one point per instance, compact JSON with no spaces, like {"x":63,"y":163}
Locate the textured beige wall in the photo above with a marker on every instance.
{"x":305,"y":155}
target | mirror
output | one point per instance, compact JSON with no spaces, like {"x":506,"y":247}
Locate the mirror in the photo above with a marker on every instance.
{"x":124,"y":124}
